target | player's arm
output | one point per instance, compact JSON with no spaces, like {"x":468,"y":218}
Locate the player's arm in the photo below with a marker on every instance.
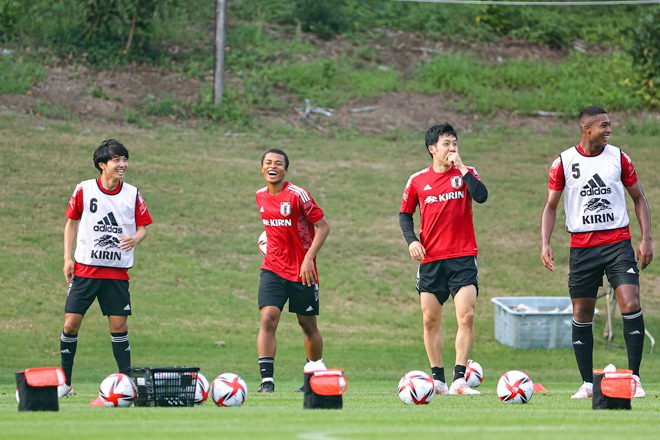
{"x":129,"y":242}
{"x":307,"y":267}
{"x":475,"y":187}
{"x":416,"y":249}
{"x":645,"y":249}
{"x":548,"y":219}
{"x":69,"y":237}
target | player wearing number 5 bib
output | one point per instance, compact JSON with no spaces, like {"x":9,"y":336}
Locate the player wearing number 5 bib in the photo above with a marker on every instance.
{"x":107,"y":218}
{"x":289,"y":215}
{"x":594,"y":177}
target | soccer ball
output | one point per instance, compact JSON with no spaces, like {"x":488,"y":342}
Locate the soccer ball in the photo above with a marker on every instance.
{"x":416,"y":388}
{"x":202,"y":388}
{"x":263,"y":243}
{"x":117,"y":390}
{"x":229,"y":389}
{"x":474,"y":374}
{"x":515,"y":387}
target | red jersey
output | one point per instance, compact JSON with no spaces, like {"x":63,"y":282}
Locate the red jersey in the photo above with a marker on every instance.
{"x":74,"y":211}
{"x":600,"y":238}
{"x":288,"y":218}
{"x":445,"y":209}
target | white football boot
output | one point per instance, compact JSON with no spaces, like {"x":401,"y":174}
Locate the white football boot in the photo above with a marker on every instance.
{"x":64,"y":390}
{"x":586,"y":391}
{"x":639,"y":391}
{"x":440,"y":387}
{"x":460,"y":386}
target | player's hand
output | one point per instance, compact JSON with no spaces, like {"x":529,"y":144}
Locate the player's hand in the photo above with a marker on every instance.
{"x":455,"y":159}
{"x":307,"y":274}
{"x":547,"y":257}
{"x":68,"y":270}
{"x":645,"y":253}
{"x":128,"y":243}
{"x":417,"y":251}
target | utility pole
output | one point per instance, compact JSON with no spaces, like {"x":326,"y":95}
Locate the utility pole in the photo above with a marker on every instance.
{"x":219,"y":74}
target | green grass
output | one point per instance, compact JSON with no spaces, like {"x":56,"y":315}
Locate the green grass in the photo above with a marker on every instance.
{"x":18,"y":74}
{"x":196,"y":275}
{"x":371,"y":410}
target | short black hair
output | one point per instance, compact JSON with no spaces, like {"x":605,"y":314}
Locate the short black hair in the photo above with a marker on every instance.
{"x":281,"y":153}
{"x":107,"y":150}
{"x":433,"y":134}
{"x":590,"y":112}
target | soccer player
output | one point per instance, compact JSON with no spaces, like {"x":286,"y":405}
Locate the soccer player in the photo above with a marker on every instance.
{"x":289,"y":215}
{"x":593,"y":176}
{"x":107,"y":218}
{"x":447,"y":252}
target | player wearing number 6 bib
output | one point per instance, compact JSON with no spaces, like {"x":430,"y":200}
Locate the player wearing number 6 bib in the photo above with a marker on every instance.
{"x":106,"y":218}
{"x":594,"y":177}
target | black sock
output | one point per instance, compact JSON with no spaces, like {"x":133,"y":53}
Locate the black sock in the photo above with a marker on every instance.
{"x":266,"y":367}
{"x":583,"y":346}
{"x":121,"y":350}
{"x":438,"y":374}
{"x":633,"y":334}
{"x":68,"y":345}
{"x":459,"y":372}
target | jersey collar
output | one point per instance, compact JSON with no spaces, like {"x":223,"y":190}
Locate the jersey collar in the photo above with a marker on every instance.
{"x":105,"y":191}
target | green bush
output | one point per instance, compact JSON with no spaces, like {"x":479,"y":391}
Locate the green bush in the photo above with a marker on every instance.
{"x":53,"y":111}
{"x":164,"y":106}
{"x":323,"y":17}
{"x":645,"y":51}
{"x":18,"y":74}
{"x":7,"y":16}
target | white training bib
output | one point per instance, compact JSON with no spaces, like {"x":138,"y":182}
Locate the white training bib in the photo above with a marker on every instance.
{"x":105,"y":219}
{"x":594,"y":196}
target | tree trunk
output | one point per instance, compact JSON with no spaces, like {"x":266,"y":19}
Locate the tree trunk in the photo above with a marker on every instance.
{"x":219,"y":74}
{"x":132,"y":32}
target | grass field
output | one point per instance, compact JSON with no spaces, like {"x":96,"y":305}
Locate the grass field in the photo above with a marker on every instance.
{"x":194,"y":284}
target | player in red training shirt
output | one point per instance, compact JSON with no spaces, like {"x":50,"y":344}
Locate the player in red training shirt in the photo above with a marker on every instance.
{"x":107,"y":218}
{"x":447,"y":251}
{"x":593,"y":176}
{"x":289,"y":215}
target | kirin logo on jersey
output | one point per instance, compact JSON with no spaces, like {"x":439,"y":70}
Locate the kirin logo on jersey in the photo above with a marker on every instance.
{"x":456,"y":182}
{"x":454,"y":195}
{"x":107,"y":241}
{"x":598,"y":205}
{"x":430,"y":199}
{"x":277,"y":222}
{"x":285,"y":208}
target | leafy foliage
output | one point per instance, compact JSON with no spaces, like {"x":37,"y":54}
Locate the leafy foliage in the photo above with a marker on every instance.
{"x":645,"y":51}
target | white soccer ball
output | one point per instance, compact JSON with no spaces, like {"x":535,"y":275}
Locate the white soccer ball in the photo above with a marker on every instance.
{"x":515,"y":387}
{"x":474,"y":374}
{"x":202,"y":388}
{"x":229,"y":389}
{"x":416,"y":388}
{"x":117,"y":390}
{"x":263,"y":243}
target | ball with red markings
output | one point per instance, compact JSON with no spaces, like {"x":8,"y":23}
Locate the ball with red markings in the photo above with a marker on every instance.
{"x":229,"y":389}
{"x":202,"y":388}
{"x":515,"y":387}
{"x":416,"y":388}
{"x":263,"y":243}
{"x":474,"y":373}
{"x":117,"y":390}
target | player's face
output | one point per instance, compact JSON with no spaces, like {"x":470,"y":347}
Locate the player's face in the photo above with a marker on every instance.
{"x":446,"y":144}
{"x":273,"y":168}
{"x":115,"y":168}
{"x":599,"y":130}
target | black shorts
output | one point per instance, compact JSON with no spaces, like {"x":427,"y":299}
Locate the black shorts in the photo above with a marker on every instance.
{"x":445,"y":277}
{"x":587,"y":266}
{"x":114,"y":297}
{"x":275,"y":290}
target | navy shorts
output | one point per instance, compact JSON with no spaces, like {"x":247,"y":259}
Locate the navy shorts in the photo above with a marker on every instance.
{"x":275,"y":291}
{"x":587,"y":266}
{"x":114,"y":297}
{"x":445,"y":277}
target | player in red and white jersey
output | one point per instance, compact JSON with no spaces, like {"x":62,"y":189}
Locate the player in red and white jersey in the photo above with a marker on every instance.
{"x":106,"y":218}
{"x":447,"y":250}
{"x":594,"y":177}
{"x":290,"y":216}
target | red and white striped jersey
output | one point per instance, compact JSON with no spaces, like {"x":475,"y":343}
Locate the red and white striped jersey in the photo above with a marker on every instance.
{"x":288,"y":218}
{"x":445,"y":209}
{"x":557,"y":182}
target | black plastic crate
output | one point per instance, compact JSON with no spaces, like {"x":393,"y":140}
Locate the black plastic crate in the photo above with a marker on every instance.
{"x":164,"y":386}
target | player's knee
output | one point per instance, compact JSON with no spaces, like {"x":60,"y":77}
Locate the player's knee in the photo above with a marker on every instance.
{"x":119,"y":328}
{"x":431,"y":321}
{"x":629,"y":305}
{"x":71,"y":328}
{"x":467,"y":319}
